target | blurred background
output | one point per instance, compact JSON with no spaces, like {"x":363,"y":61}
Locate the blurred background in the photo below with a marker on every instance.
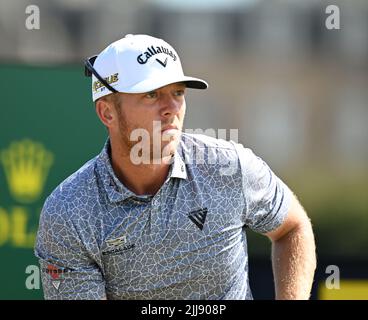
{"x":295,"y":90}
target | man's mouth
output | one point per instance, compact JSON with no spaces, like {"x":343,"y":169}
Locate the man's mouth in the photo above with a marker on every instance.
{"x":170,"y":130}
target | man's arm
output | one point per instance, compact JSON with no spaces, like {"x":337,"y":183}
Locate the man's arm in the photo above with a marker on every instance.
{"x":68,"y":271}
{"x":293,"y":255}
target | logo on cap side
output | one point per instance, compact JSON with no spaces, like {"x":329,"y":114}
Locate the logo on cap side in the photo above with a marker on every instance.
{"x":151,"y":51}
{"x":110,"y":79}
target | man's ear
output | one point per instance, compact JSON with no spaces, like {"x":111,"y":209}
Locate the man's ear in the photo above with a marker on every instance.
{"x":105,"y":111}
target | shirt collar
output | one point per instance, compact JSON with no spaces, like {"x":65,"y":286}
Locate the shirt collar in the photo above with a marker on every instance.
{"x":115,"y":189}
{"x":178,"y":168}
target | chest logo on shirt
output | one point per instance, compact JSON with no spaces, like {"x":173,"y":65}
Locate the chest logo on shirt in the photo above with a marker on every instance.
{"x":116,"y":242}
{"x":198,"y":217}
{"x":117,"y":245}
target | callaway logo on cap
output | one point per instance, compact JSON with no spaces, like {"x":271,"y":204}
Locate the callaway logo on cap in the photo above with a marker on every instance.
{"x":137,"y":64}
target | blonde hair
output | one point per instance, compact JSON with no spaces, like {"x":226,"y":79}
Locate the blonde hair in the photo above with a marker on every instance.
{"x":114,"y":98}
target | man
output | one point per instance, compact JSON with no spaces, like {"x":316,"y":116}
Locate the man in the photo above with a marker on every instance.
{"x":161,"y":214}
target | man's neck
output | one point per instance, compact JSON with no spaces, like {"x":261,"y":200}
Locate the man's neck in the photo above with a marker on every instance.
{"x":142,"y":179}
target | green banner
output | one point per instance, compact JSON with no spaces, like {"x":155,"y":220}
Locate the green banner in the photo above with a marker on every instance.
{"x":48,"y":129}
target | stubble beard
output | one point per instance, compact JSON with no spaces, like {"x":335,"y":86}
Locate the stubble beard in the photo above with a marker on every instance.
{"x":164,"y":154}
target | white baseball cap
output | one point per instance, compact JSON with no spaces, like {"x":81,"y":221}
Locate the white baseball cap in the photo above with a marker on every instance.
{"x":137,"y":64}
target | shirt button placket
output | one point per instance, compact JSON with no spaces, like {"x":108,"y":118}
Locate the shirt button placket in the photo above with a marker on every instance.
{"x":155,"y":214}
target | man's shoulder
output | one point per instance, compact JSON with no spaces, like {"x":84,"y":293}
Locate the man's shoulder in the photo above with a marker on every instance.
{"x":218,"y":153}
{"x":211,"y":156}
{"x":201,"y":141}
{"x":74,"y":190}
{"x":231,"y":149}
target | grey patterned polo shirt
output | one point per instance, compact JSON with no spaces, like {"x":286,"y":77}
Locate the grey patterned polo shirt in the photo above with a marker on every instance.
{"x":97,"y":239}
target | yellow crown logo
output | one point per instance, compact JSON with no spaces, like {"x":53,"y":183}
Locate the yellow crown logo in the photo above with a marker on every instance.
{"x":26,"y":164}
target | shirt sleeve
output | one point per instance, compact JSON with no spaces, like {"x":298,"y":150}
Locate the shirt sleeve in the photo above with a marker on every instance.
{"x":267,"y":198}
{"x":67,"y":271}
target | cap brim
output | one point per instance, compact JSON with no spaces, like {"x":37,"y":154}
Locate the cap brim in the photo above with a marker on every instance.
{"x":153,"y":84}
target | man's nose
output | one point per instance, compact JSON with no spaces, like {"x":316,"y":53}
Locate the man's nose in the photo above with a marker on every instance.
{"x":169,"y":105}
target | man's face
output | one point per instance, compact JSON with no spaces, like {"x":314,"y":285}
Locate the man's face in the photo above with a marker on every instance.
{"x":152,"y":120}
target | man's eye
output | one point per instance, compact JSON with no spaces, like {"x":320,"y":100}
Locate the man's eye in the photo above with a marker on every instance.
{"x":151,"y":95}
{"x":179,"y":93}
